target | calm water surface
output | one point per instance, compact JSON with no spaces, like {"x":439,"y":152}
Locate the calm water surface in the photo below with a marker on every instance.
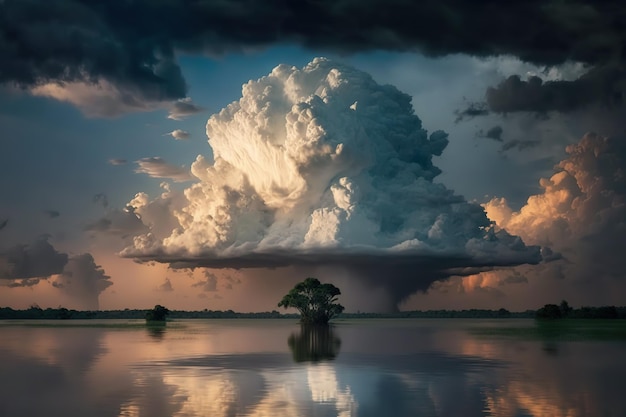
{"x":373,"y":368}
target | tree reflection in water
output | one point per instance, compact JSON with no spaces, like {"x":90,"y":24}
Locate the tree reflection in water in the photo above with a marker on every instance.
{"x":156,"y":330}
{"x":314,"y":344}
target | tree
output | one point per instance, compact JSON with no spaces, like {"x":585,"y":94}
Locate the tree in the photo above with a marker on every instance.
{"x":315,"y":301}
{"x":158,"y":313}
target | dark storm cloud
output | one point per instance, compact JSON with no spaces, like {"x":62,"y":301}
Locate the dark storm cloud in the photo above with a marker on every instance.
{"x":132,"y":44}
{"x":603,"y":86}
{"x":358,"y":257}
{"x":36,"y":260}
{"x":43,"y":41}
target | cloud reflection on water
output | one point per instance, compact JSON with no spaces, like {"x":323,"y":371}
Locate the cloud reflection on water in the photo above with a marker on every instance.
{"x":440,"y":369}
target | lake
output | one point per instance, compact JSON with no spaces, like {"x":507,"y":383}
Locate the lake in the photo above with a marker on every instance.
{"x":378,"y":368}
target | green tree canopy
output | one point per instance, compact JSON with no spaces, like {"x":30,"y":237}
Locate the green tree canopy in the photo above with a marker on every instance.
{"x":315,"y":301}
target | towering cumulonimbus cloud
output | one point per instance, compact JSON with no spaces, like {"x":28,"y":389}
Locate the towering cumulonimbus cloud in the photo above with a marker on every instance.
{"x":323,"y":166}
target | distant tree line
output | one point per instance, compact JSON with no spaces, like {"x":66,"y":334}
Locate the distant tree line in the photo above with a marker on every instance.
{"x":564,"y":311}
{"x":445,"y":314}
{"x":61,"y":313}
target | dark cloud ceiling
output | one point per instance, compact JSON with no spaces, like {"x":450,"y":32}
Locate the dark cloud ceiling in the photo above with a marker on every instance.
{"x":133,"y":44}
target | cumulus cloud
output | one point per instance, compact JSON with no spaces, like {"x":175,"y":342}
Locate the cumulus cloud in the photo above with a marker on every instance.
{"x":322,"y":166}
{"x":118,"y":161}
{"x":179,"y":134}
{"x":580,"y":214}
{"x":157,"y":167}
{"x":182,"y":109}
{"x":83,"y":280}
{"x":38,"y":259}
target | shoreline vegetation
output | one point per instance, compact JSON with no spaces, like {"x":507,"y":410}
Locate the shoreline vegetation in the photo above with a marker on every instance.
{"x":61,"y":313}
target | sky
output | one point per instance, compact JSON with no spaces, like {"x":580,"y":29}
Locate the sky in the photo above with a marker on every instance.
{"x":210,"y":155}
